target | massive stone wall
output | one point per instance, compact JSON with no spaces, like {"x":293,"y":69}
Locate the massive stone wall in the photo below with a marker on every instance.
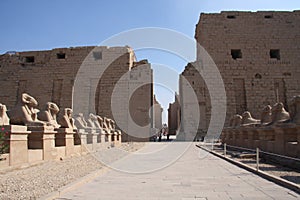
{"x":157,"y":108}
{"x":82,"y":78}
{"x":174,"y":116}
{"x":257,"y":54}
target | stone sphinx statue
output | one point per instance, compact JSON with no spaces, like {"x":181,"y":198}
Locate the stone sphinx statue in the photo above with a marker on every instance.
{"x":102,"y":124}
{"x":113,"y":125}
{"x":49,"y":114}
{"x":25,"y":112}
{"x":235,"y":121}
{"x":266,"y":115}
{"x":66,"y":120}
{"x":4,"y":120}
{"x":93,"y":121}
{"x":247,"y":119}
{"x":100,"y":121}
{"x":279,"y":114}
{"x":294,"y":107}
{"x":80,"y":122}
{"x":106,"y":125}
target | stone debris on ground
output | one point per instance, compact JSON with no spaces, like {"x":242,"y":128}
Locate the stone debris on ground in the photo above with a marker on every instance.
{"x":39,"y":180}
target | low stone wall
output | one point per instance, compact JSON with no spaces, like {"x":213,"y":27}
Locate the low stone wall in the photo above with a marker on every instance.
{"x":283,"y":139}
{"x":28,"y":145}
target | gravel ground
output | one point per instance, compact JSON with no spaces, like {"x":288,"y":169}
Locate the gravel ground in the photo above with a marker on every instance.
{"x":47,"y":177}
{"x":276,"y":170}
{"x":271,"y":168}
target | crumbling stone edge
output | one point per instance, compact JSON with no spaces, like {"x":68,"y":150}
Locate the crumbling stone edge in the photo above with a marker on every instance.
{"x":274,"y":179}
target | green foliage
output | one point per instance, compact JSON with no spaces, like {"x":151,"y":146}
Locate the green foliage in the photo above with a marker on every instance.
{"x":4,"y":141}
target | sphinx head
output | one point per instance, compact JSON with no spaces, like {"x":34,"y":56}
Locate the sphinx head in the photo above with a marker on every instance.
{"x":29,"y":100}
{"x":52,"y":107}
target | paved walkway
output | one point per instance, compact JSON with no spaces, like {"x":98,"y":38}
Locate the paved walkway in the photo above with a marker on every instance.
{"x":195,"y":175}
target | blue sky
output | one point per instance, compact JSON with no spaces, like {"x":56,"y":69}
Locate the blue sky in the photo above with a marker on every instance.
{"x":40,"y":24}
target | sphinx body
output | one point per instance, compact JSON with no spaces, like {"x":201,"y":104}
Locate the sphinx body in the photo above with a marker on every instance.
{"x":66,"y":120}
{"x":91,"y":122}
{"x":235,"y":121}
{"x":294,"y":107}
{"x":266,"y":115}
{"x":49,"y":114}
{"x":279,"y":114}
{"x":80,"y":122}
{"x":247,"y":119}
{"x":25,"y":112}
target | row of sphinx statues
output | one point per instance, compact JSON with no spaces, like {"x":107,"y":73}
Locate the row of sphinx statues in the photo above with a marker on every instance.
{"x":26,"y":113}
{"x":270,"y":115}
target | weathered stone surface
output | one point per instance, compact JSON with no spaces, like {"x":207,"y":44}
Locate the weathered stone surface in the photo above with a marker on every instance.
{"x":66,"y":120}
{"x":294,"y":111}
{"x":235,"y":121}
{"x":85,"y":75}
{"x":257,"y":56}
{"x":247,"y":119}
{"x":266,"y":115}
{"x":25,"y":112}
{"x":279,"y":114}
{"x":49,"y":114}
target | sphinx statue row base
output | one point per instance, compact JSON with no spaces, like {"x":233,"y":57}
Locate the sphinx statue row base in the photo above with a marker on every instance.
{"x":32,"y":135}
{"x":278,"y":131}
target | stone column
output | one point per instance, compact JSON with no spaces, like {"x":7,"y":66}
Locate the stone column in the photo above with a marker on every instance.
{"x":47,"y":134}
{"x":18,"y":146}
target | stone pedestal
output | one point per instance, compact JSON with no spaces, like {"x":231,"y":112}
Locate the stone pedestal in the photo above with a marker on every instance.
{"x":43,"y":137}
{"x":230,"y":137}
{"x":83,"y":139}
{"x":266,"y":136}
{"x":116,"y":137}
{"x":250,"y":138}
{"x":119,"y":138}
{"x":237,"y":136}
{"x":68,"y":140}
{"x":103,"y":136}
{"x":94,"y":141}
{"x":243,"y":137}
{"x":108,"y":137}
{"x":18,"y":147}
{"x":298,"y":140}
{"x":279,"y":141}
{"x":290,"y":139}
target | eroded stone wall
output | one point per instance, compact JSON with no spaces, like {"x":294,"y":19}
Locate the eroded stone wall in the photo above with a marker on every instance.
{"x":82,"y":78}
{"x":257,"y":54}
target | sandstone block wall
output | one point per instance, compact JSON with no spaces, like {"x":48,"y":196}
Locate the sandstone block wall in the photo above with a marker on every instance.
{"x":174,"y":116}
{"x":257,"y":54}
{"x":157,"y":122}
{"x":82,"y":78}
